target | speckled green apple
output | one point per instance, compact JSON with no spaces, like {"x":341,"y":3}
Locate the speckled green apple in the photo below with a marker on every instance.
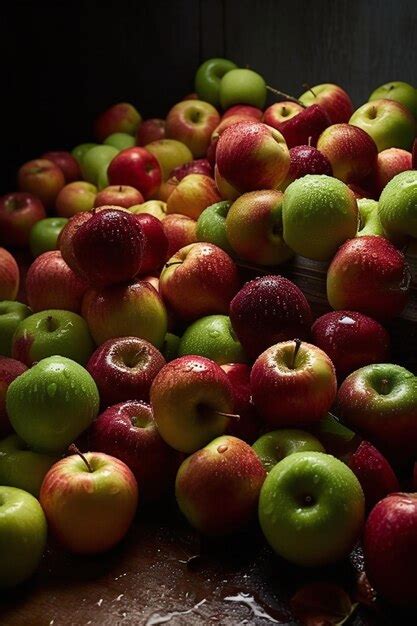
{"x":398,"y":205}
{"x":208,"y":77}
{"x":21,"y":467}
{"x":369,"y":222}
{"x":274,"y":446}
{"x":11,"y":314}
{"x":44,"y":235}
{"x":211,"y":225}
{"x":242,"y":86}
{"x":214,"y":338}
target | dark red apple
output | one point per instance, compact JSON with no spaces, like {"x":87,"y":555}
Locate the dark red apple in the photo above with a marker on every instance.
{"x":19,"y":211}
{"x":306,"y":160}
{"x":150,"y":130}
{"x":43,"y":179}
{"x":305,"y":127}
{"x":118,"y":195}
{"x":137,"y":168}
{"x":155,"y":245}
{"x":198,"y":166}
{"x":66,"y":162}
{"x":9,"y":370}
{"x":248,"y":425}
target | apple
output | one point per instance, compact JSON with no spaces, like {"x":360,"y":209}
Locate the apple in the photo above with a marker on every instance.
{"x":208,"y":77}
{"x":199,"y":280}
{"x":156,"y":208}
{"x":359,"y":191}
{"x":305,"y":127}
{"x":137,"y":168}
{"x":51,"y":332}
{"x":332,"y":98}
{"x":120,"y":141}
{"x":306,"y":160}
{"x":79,"y":151}
{"x":389,"y":163}
{"x":66,"y":162}
{"x":150,"y":130}
{"x":18,"y":213}
{"x":23,"y":534}
{"x":246,"y":110}
{"x":155,"y":247}
{"x":197,"y":166}
{"x":124,"y":368}
{"x":165,"y":189}
{"x":389,"y":123}
{"x":11,"y":313}
{"x":192,"y":122}
{"x":248,"y":425}
{"x":397,"y":207}
{"x":170,"y":154}
{"x":132,"y":310}
{"x":118,"y":195}
{"x":226,"y":123}
{"x":335,"y":437}
{"x":311,"y":509}
{"x":95,"y":161}
{"x":89,"y":501}
{"x":280,"y":112}
{"x":293,"y":383}
{"x":9,"y":370}
{"x":369,"y":222}
{"x":170,"y":347}
{"x":217,"y":488}
{"x":226,"y":190}
{"x":351,"y":340}
{"x":128,"y":432}
{"x":414,"y":154}
{"x":397,"y":91}
{"x":268,"y":310}
{"x":390,"y":548}
{"x":44,"y":235}
{"x":180,"y":230}
{"x":242,"y":86}
{"x":50,"y":404}
{"x":251,"y":156}
{"x":192,"y":195}
{"x":43,"y":179}
{"x":254,"y":228}
{"x":351,"y":151}
{"x":75,"y":197}
{"x":274,"y":446}
{"x":211,"y":225}
{"x":119,"y":118}
{"x":192,"y":400}
{"x":369,"y":275}
{"x":22,"y":468}
{"x":9,"y":275}
{"x":214,"y":338}
{"x":380,"y":401}
{"x":102,"y":176}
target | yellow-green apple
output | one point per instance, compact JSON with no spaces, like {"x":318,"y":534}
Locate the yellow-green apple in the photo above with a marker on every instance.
{"x":280,"y":112}
{"x":351,"y":340}
{"x":166,"y":188}
{"x":137,"y":168}
{"x":22,"y":468}
{"x":274,"y":446}
{"x":155,"y":243}
{"x":192,"y":122}
{"x":332,"y":98}
{"x":211,"y":225}
{"x":369,"y":222}
{"x":247,"y":110}
{"x":124,"y":368}
{"x":79,"y":151}
{"x":306,"y":160}
{"x":18,"y":213}
{"x":67,"y":162}
{"x":196,"y":166}
{"x":180,"y":230}
{"x":170,"y":154}
{"x":305,"y":127}
{"x":9,"y":275}
{"x":380,"y":401}
{"x":120,"y":141}
{"x":217,"y":488}
{"x":122,"y":117}
{"x":248,"y":425}
{"x":226,"y":190}
{"x":311,"y":509}
{"x":128,"y":432}
{"x":89,"y":501}
{"x":11,"y":313}
{"x":192,"y":195}
{"x":389,"y":163}
{"x":44,"y":235}
{"x":9,"y":370}
{"x":52,"y":403}
{"x":95,"y":161}
{"x":268,"y":310}
{"x":132,"y":310}
{"x":51,"y":284}
{"x":150,"y":130}
{"x":293,"y":383}
{"x":23,"y":534}
{"x":390,"y":548}
{"x":368,"y":274}
{"x":242,"y":86}
{"x":351,"y":151}
{"x":254,"y":228}
{"x":208,"y":77}
{"x":192,"y":401}
{"x":200,"y":279}
{"x":397,"y":207}
{"x":389,"y":123}
{"x":50,"y":332}
{"x":157,"y":208}
{"x":251,"y":156}
{"x":213,"y":337}
{"x":41,"y":178}
{"x":118,"y":195}
{"x":75,"y":197}
{"x":399,"y":91}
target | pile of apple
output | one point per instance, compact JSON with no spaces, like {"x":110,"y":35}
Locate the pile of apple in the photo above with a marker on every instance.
{"x":143,"y":340}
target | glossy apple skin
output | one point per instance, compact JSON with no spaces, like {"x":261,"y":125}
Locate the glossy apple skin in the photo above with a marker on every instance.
{"x":217,"y":488}
{"x":89,"y":512}
{"x":119,"y":118}
{"x":202,"y":283}
{"x":287,"y":394}
{"x":192,"y":195}
{"x":351,"y":151}
{"x":51,"y":284}
{"x":333,"y":99}
{"x":133,"y":310}
{"x":390,"y":548}
{"x":389,"y":163}
{"x":11,"y":314}
{"x":124,"y":368}
{"x":306,"y":126}
{"x":150,"y":130}
{"x":41,"y":178}
{"x":389,"y":123}
{"x":197,"y":166}
{"x":246,"y":110}
{"x":157,"y":208}
{"x":19,"y":211}
{"x":118,"y":195}
{"x":274,"y":446}
{"x":192,"y":122}
{"x":155,"y":244}
{"x":170,"y":154}
{"x":9,"y":275}
{"x":280,"y":112}
{"x":180,"y":230}
{"x":248,"y":425}
{"x":226,"y":123}
{"x":66,"y":162}
{"x":268,"y":310}
{"x":137,"y":168}
{"x":306,"y":160}
{"x":75,"y":197}
{"x":44,"y":235}
{"x":9,"y":370}
{"x":252,"y":156}
{"x":208,"y":76}
{"x":128,"y":432}
{"x":351,"y":340}
{"x":369,"y":275}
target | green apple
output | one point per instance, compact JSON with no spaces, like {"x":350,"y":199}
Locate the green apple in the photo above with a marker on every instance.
{"x":211,"y":225}
{"x":278,"y":444}
{"x":49,"y":332}
{"x":102,"y":178}
{"x":23,"y":533}
{"x":21,"y":467}
{"x":400,"y":92}
{"x":369,"y":222}
{"x":170,"y":347}
{"x":214,"y":338}
{"x":120,"y":141}
{"x":242,"y":86}
{"x":337,"y":438}
{"x":398,"y":205}
{"x":390,"y":124}
{"x":95,"y":160}
{"x":52,"y":403}
{"x":170,"y":154}
{"x":208,"y":76}
{"x":311,"y":509}
{"x":81,"y":150}
{"x":44,"y":234}
{"x":319,"y":214}
{"x":157,"y":208}
{"x":11,"y":314}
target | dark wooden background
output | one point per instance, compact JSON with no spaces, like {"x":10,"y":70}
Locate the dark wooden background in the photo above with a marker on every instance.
{"x":62,"y":62}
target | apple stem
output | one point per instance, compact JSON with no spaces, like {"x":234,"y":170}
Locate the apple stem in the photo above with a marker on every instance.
{"x":284,"y":95}
{"x":49,"y":324}
{"x":296,"y":349}
{"x":120,"y":188}
{"x":307,"y":86}
{"x":309,"y":141}
{"x":231,"y":416}
{"x":173,"y":263}
{"x":74,"y":450}
{"x":384,"y":386}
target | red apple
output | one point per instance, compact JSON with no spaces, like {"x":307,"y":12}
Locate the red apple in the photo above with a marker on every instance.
{"x":306,"y":160}
{"x":9,"y":276}
{"x":198,"y":166}
{"x":244,"y":109}
{"x":280,"y":112}
{"x":192,"y":195}
{"x":137,"y":168}
{"x":43,"y":179}
{"x":192,"y":122}
{"x":155,"y":244}
{"x":180,"y":231}
{"x":119,"y":118}
{"x":227,"y":122}
{"x":18,"y":213}
{"x":248,"y":425}
{"x":75,"y":197}
{"x":333,"y":99}
{"x":350,"y":150}
{"x":389,"y":163}
{"x":66,"y":162}
{"x":375,"y":474}
{"x":118,"y":195}
{"x":9,"y":370}
{"x":150,"y":130}
{"x":66,"y":236}
{"x":414,"y":154}
{"x":305,"y":127}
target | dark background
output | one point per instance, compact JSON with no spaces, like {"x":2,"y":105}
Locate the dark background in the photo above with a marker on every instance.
{"x":63,"y":62}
